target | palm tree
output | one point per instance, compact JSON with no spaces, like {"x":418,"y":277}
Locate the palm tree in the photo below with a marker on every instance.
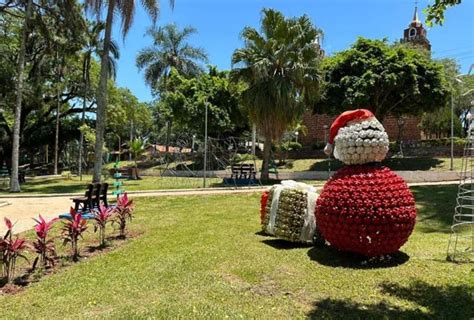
{"x":280,"y":70}
{"x":137,"y":148}
{"x":125,"y":9}
{"x":14,"y":182}
{"x":94,"y":45}
{"x":170,"y":50}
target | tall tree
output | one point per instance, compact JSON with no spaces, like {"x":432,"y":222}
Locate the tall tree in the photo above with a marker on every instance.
{"x":185,"y":105}
{"x":280,"y":68}
{"x":170,"y":49}
{"x":386,"y":79}
{"x":126,"y":11}
{"x":39,"y":15}
{"x":14,"y":181}
{"x":94,"y":46}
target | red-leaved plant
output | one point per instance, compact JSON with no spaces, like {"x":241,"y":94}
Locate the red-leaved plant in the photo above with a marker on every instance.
{"x":102,"y":216}
{"x":44,"y":247}
{"x":123,"y":213}
{"x":11,"y":249}
{"x":73,"y":230}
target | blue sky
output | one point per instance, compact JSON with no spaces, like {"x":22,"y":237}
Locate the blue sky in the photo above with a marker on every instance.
{"x":219,"y":23}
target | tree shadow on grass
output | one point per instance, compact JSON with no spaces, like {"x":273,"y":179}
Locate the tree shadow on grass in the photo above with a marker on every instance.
{"x":439,"y":302}
{"x":412,"y":163}
{"x":335,"y":309}
{"x":402,"y":164}
{"x":50,"y":186}
{"x":331,"y":257}
{"x":325,"y":164}
{"x":435,"y":205}
{"x":446,"y":302}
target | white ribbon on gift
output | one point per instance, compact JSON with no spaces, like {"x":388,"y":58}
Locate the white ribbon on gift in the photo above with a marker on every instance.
{"x":309,"y":225}
{"x":274,"y":208}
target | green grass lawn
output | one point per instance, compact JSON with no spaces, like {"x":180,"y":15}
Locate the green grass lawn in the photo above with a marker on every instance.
{"x":203,"y":257}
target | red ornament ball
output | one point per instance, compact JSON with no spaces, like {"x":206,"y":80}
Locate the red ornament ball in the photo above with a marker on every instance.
{"x":367,"y":210}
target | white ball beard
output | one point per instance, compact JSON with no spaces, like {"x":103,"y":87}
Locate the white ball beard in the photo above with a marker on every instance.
{"x":357,"y":143}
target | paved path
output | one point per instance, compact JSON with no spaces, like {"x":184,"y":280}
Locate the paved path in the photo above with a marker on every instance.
{"x":22,"y":208}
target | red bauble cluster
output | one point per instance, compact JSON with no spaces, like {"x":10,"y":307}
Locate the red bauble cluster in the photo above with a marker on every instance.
{"x":366,"y":209}
{"x":263,"y":204}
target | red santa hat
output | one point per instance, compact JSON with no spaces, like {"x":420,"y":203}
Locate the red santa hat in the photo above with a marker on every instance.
{"x":342,"y":120}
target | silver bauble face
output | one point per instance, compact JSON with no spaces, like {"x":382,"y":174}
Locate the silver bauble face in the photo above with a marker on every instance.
{"x":361,"y":142}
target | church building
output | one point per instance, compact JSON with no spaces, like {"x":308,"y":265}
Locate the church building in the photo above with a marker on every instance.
{"x":416,"y":33}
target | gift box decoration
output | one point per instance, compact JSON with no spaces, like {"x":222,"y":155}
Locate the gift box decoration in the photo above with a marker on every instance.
{"x":287,"y":211}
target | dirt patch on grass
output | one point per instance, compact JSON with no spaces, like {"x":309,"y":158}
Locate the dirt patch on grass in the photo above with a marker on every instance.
{"x":11,"y":289}
{"x":268,"y":288}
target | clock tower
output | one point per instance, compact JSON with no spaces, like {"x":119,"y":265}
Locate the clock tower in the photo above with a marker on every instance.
{"x":415,"y":33}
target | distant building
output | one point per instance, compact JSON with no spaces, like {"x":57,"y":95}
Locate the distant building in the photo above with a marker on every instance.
{"x":318,"y":47}
{"x":416,"y":33}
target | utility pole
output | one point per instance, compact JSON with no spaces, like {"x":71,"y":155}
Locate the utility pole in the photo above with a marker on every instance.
{"x":451,"y":165}
{"x":205,"y":145}
{"x":254,"y":138}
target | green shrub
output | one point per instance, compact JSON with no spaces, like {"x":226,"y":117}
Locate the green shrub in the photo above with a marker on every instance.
{"x":239,"y":158}
{"x":290,"y":146}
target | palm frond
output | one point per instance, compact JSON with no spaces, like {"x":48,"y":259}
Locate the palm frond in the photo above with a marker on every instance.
{"x":152,"y":7}
{"x":126,"y":10}
{"x":114,"y":49}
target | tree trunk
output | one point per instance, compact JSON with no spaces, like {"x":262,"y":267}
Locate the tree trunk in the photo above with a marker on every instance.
{"x":254,"y":138}
{"x":85,"y":75}
{"x":267,"y":145}
{"x":168,"y":134}
{"x":14,"y":182}
{"x":56,"y":137}
{"x":131,"y":140}
{"x":102,"y":94}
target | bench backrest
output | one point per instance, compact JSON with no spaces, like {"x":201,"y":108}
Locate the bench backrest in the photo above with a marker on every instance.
{"x":247,"y":167}
{"x":96,"y":190}
{"x":88,"y":193}
{"x":104,"y":189}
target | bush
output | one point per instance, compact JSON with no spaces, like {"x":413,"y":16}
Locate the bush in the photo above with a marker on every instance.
{"x":11,"y":250}
{"x":102,"y":216}
{"x":239,"y":158}
{"x":290,"y":146}
{"x":123,"y":213}
{"x":73,"y":230}
{"x":44,"y":247}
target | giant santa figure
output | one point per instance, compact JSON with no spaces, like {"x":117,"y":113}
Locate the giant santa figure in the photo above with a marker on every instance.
{"x":364,"y":208}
